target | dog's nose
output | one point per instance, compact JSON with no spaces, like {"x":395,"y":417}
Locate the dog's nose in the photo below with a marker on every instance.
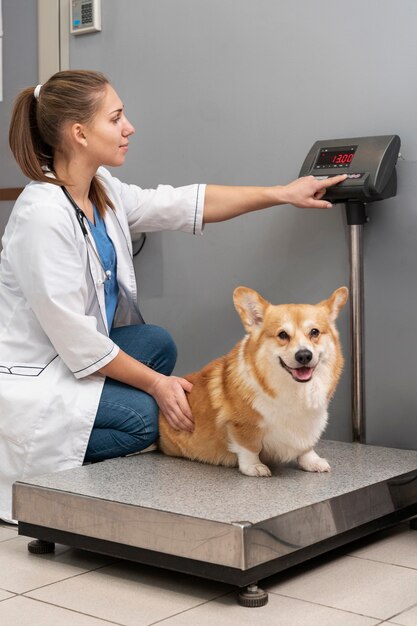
{"x":303,"y":356}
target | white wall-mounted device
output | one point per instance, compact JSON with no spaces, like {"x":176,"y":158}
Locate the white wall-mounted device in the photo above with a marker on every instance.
{"x":85,"y":16}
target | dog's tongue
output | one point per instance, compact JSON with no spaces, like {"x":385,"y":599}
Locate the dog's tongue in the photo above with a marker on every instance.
{"x":302,"y":373}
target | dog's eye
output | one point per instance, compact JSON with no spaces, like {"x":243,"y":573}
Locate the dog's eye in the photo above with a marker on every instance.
{"x":314,"y":332}
{"x":283,"y":335}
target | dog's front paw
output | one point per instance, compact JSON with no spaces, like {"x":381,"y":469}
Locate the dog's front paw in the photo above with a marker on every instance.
{"x":320,"y":465}
{"x":258,"y":469}
{"x":312,"y":462}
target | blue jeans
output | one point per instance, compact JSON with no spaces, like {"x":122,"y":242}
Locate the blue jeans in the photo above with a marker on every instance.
{"x":127,"y":418}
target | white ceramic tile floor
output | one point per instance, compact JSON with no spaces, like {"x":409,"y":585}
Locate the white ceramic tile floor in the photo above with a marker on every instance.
{"x":372,"y":582}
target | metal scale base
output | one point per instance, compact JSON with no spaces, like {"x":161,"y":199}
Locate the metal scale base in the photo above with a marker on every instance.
{"x":214,"y":522}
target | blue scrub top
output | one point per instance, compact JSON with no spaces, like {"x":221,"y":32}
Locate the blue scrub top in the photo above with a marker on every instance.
{"x":107,"y":253}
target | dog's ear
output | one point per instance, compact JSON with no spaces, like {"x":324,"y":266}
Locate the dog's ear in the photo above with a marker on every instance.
{"x":250,"y":306}
{"x":336,"y":302}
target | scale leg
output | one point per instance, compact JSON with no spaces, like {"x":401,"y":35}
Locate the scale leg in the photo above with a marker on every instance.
{"x":252,"y":596}
{"x":413,"y":523}
{"x":38,"y":546}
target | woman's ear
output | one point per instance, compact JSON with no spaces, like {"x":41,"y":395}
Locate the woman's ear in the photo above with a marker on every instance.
{"x":77,"y":132}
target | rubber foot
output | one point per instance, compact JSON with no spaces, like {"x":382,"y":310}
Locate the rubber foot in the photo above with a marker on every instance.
{"x":252,"y":596}
{"x":38,"y":546}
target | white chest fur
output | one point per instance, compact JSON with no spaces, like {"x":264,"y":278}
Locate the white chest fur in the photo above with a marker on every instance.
{"x":295,"y":418}
{"x":291,"y":425}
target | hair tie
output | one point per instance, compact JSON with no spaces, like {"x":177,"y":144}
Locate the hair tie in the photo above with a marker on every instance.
{"x":37,"y":91}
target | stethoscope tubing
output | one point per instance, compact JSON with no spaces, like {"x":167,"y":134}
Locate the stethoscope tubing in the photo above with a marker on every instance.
{"x":81,"y":216}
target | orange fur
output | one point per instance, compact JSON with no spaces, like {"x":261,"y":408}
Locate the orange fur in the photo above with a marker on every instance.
{"x":246,"y":403}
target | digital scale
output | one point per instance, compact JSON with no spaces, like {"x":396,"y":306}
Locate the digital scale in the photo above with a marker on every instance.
{"x":212,"y":521}
{"x":368,"y":162}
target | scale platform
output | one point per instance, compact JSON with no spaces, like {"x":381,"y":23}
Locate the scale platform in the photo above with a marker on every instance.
{"x":213,"y":521}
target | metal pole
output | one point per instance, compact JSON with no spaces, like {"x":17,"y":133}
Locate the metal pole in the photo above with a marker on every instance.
{"x":356,"y":219}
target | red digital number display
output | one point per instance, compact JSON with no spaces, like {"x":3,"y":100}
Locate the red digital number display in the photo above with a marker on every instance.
{"x":335,"y":157}
{"x":343,"y":157}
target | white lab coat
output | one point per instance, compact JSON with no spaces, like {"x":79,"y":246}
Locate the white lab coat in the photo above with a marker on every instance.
{"x":53,"y":327}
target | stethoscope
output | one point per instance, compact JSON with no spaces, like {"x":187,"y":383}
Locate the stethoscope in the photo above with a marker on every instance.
{"x":81,"y":216}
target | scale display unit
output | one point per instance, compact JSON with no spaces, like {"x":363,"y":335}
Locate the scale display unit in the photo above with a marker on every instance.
{"x":213,"y":522}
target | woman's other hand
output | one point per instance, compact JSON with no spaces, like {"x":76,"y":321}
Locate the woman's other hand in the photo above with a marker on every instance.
{"x":169,"y":393}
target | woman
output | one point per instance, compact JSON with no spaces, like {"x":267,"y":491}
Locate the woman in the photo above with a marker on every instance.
{"x":81,"y":376}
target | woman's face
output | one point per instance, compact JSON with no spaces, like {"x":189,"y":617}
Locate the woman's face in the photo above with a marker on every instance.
{"x":107,"y":135}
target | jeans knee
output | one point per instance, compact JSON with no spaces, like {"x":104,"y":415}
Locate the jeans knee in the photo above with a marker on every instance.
{"x":146,"y":429}
{"x":139,"y":429}
{"x":152,"y":345}
{"x":166,"y":354}
{"x":152,"y":433}
{"x":141,"y":441}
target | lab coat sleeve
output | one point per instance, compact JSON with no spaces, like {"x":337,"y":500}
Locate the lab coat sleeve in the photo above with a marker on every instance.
{"x":48,"y":267}
{"x":163,"y":208}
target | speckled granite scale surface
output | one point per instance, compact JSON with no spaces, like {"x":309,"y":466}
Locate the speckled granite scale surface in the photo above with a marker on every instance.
{"x":183,"y":487}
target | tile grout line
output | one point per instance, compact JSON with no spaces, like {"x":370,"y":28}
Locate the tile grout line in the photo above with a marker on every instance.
{"x":361,"y":558}
{"x":58,"y":606}
{"x":13,"y":595}
{"x":335,"y":608}
{"x":165,"y":619}
{"x":55,"y":582}
{"x":66,"y":578}
{"x":401,"y":612}
{"x":8,"y":539}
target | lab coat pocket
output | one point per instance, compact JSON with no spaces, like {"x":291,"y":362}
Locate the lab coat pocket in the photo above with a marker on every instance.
{"x":27,"y":383}
{"x":21,"y":369}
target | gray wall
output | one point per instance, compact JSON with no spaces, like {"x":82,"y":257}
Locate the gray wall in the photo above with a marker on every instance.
{"x":236,"y":92}
{"x":20,"y":44}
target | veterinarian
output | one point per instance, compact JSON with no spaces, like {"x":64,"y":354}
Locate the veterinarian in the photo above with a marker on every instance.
{"x":81,"y":375}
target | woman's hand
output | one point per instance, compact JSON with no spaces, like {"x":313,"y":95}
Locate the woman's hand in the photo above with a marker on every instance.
{"x":169,"y":393}
{"x":307,"y":192}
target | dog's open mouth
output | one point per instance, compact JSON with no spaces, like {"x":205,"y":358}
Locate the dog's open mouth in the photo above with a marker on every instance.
{"x":300,"y":374}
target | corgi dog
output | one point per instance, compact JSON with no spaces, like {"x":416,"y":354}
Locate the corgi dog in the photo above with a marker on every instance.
{"x":267,"y":399}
